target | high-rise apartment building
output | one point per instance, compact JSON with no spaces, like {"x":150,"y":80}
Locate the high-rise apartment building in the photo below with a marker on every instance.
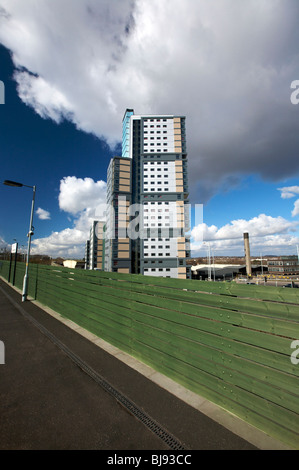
{"x":147,"y":198}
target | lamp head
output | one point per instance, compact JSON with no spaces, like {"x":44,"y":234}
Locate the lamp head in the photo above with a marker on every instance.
{"x":12,"y":183}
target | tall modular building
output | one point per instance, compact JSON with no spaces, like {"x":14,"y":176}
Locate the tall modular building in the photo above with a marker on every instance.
{"x":159,"y":219}
{"x":147,"y":218}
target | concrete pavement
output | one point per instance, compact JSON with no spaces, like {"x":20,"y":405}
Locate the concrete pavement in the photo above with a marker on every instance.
{"x":48,"y":402}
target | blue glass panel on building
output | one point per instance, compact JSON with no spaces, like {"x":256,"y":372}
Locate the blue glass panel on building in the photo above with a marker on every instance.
{"x":126,"y":134}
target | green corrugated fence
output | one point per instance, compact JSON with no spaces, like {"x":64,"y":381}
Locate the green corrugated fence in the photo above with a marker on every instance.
{"x":230,"y":343}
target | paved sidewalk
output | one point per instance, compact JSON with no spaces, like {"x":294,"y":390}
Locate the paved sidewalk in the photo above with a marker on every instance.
{"x":48,"y":402}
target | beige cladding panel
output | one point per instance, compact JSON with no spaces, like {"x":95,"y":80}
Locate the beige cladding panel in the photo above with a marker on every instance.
{"x":125,"y":179}
{"x":125,"y":189}
{"x":123,"y":246}
{"x":123,"y":219}
{"x":123,"y":174}
{"x":182,"y":270}
{"x":125,"y":169}
{"x":181,"y":254}
{"x":180,"y":212}
{"x":123,"y":182}
{"x":125,"y":240}
{"x":123,"y":205}
{"x":181,"y":246}
{"x":123,"y":254}
{"x":126,"y":162}
{"x":123,"y":270}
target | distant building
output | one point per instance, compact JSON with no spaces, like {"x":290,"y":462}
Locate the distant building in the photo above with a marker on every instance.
{"x":95,"y":246}
{"x":217,"y":271}
{"x":223,"y":271}
{"x":287,"y":265}
{"x":73,"y":264}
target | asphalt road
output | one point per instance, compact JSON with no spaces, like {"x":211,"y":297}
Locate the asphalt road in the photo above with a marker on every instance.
{"x":48,"y":402}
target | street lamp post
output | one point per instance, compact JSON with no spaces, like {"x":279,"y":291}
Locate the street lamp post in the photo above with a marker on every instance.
{"x":30,"y":233}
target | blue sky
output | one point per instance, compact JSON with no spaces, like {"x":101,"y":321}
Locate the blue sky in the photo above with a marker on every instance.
{"x":70,"y":70}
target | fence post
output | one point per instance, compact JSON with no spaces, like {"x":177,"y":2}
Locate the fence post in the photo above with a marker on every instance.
{"x":36,"y":276}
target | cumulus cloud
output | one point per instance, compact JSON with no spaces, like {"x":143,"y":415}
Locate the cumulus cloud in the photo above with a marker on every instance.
{"x":264,"y":231}
{"x":269,"y":244}
{"x":79,"y":194}
{"x":47,"y":101}
{"x":3,"y":243}
{"x":289,"y":192}
{"x":295,"y":211}
{"x":67,"y":243}
{"x":261,"y":225}
{"x":85,"y":200}
{"x":226,"y":65}
{"x":43,"y":214}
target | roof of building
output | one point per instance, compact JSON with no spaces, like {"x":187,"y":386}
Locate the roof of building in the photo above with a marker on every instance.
{"x":217,"y":266}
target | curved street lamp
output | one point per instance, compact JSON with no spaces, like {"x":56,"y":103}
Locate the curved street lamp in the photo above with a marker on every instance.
{"x":29,"y":235}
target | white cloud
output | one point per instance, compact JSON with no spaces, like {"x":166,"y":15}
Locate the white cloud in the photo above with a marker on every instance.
{"x":3,"y":243}
{"x":43,"y":214}
{"x":265,"y":232}
{"x":261,"y":225}
{"x":295,"y":211}
{"x":271,"y":244}
{"x":84,"y":199}
{"x":79,"y":194}
{"x":67,"y":243}
{"x":226,"y":65}
{"x":46,"y":100}
{"x":288,"y":192}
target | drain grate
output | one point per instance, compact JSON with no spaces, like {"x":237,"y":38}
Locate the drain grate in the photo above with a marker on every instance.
{"x":149,"y":422}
